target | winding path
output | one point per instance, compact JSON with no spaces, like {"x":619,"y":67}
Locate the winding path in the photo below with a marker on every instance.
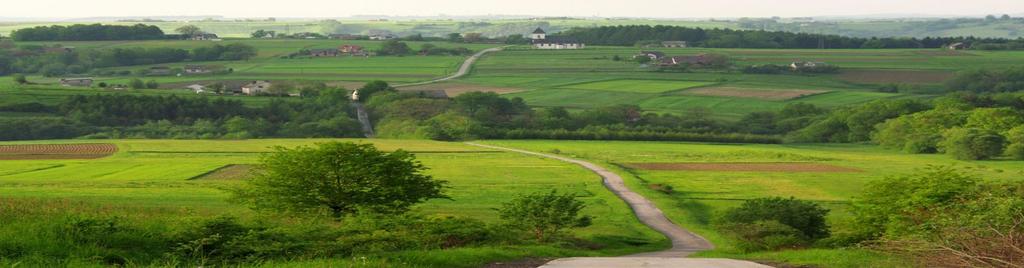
{"x":684,"y":242}
{"x":463,"y":70}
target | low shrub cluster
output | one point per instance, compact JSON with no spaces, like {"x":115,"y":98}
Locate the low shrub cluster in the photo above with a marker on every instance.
{"x":775,"y":223}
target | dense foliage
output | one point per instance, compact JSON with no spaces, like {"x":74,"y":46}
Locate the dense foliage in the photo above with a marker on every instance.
{"x":59,"y":61}
{"x":775,"y":223}
{"x":727,"y":38}
{"x":544,"y":214}
{"x":947,"y":218}
{"x":490,"y":116}
{"x":88,"y":32}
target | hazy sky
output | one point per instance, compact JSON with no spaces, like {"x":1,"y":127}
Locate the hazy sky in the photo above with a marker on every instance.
{"x":603,"y":8}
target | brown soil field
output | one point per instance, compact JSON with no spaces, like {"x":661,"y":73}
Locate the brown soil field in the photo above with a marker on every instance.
{"x":743,"y":167}
{"x":455,"y":89}
{"x":764,"y":94}
{"x":228,"y":172}
{"x":56,"y":151}
{"x":895,"y":76}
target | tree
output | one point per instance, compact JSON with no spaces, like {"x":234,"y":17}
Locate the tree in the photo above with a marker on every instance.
{"x":342,"y":178}
{"x":544,"y":214}
{"x":20,"y":79}
{"x":189,"y":30}
{"x":1015,"y":138}
{"x":804,"y":216}
{"x":472,"y":37}
{"x":455,"y":37}
{"x":136,"y":83}
{"x":152,"y":84}
{"x":972,"y":143}
{"x":394,"y":48}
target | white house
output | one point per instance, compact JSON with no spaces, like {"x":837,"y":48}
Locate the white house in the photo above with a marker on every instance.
{"x":542,"y":41}
{"x":256,"y":87}
{"x":197,"y":88}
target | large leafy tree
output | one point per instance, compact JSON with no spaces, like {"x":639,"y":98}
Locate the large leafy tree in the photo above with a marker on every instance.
{"x":342,"y":178}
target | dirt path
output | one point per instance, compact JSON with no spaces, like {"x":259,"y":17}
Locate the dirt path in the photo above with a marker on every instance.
{"x":463,"y":70}
{"x":684,"y":242}
{"x":364,"y":120}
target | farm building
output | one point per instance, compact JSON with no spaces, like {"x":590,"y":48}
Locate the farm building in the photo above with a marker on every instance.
{"x":383,"y":36}
{"x":654,"y":55}
{"x":351,"y":49}
{"x":698,"y":60}
{"x":197,"y":88}
{"x":542,"y":41}
{"x":204,"y":37}
{"x":76,"y":82}
{"x":806,"y":64}
{"x":330,"y":52}
{"x":197,"y":69}
{"x":675,"y":44}
{"x":256,"y":87}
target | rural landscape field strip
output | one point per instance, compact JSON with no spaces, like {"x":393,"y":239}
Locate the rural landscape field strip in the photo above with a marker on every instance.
{"x":683,"y":242}
{"x":743,"y":167}
{"x":57,"y":151}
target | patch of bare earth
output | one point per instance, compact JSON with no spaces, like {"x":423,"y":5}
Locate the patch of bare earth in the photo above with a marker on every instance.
{"x":764,"y":94}
{"x":56,"y":151}
{"x":455,"y":89}
{"x":228,"y":172}
{"x":743,"y":167}
{"x":895,"y":76}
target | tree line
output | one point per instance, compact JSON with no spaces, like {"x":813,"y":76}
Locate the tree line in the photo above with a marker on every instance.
{"x":89,"y":32}
{"x":728,"y":38}
{"x":57,"y":60}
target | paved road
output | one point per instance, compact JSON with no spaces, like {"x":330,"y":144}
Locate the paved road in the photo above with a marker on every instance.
{"x":364,"y":119}
{"x":684,"y":242}
{"x":463,"y":70}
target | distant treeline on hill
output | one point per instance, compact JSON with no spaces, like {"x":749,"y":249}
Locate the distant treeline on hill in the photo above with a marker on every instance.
{"x":726,"y":38}
{"x":89,"y":32}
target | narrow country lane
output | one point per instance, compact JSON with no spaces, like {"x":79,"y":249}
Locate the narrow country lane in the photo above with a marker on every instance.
{"x":684,"y":242}
{"x":463,"y":70}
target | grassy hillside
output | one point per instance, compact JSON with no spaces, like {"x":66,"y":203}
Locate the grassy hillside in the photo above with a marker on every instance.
{"x":165,"y":179}
{"x":706,"y":190}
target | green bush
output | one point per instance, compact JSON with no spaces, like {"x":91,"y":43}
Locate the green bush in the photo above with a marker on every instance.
{"x":775,"y":223}
{"x":972,"y":143}
{"x":765,"y":235}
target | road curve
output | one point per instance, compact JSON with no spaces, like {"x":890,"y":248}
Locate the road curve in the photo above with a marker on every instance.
{"x":684,"y":242}
{"x":463,"y":70}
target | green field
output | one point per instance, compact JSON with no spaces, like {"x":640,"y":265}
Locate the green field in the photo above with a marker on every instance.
{"x":161,"y":177}
{"x":638,"y":86}
{"x":700,"y":195}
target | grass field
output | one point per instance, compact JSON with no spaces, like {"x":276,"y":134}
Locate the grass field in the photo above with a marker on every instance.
{"x":637,"y":86}
{"x":163,"y":177}
{"x":590,"y":77}
{"x":700,"y":194}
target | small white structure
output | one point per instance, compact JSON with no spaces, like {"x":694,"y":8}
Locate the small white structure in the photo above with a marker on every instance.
{"x":256,"y":87}
{"x":542,"y":41}
{"x":355,"y":95}
{"x":197,"y":88}
{"x":806,"y":64}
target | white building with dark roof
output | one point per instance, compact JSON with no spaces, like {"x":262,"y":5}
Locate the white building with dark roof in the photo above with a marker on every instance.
{"x":541,"y":40}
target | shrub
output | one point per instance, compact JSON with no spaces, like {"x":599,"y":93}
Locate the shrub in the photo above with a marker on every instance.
{"x":804,"y":216}
{"x":544,"y":214}
{"x":1015,"y":138}
{"x":972,"y":143}
{"x":765,"y":235}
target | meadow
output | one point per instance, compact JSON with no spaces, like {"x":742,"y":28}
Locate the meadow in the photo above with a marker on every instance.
{"x":702,"y":193}
{"x":164,"y":179}
{"x":591,"y":77}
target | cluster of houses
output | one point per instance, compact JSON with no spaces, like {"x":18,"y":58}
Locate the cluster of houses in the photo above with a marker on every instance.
{"x":343,"y":50}
{"x":250,"y":88}
{"x":661,"y":59}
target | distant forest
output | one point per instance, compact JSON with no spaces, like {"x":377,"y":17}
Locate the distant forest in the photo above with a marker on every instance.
{"x":727,"y":38}
{"x":89,"y":32}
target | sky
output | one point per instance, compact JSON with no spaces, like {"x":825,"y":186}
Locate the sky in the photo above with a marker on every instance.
{"x":575,"y":8}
